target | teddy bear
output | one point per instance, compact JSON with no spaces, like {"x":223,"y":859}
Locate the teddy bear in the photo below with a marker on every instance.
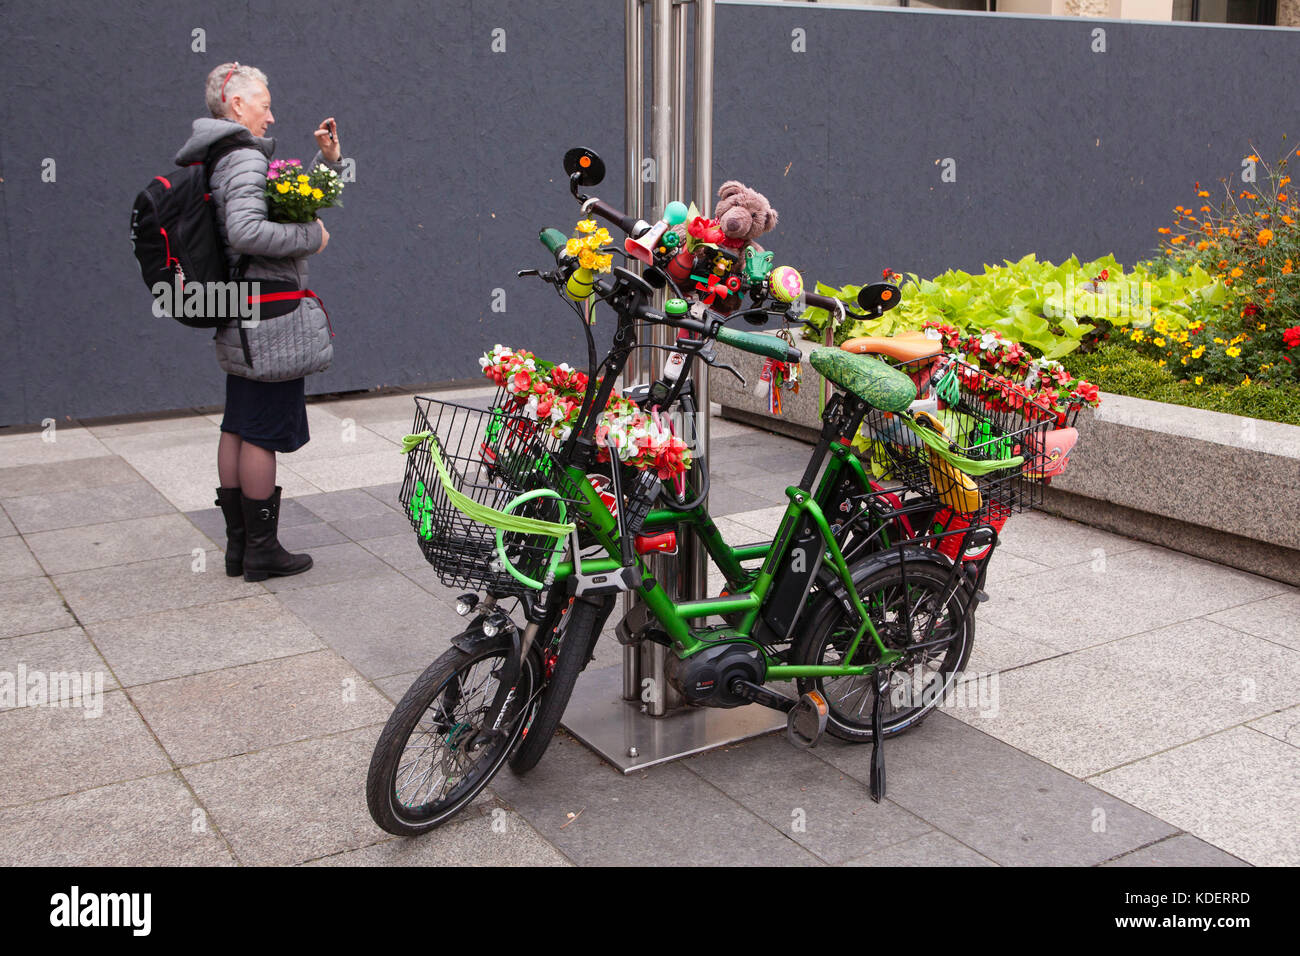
{"x":739,"y":218}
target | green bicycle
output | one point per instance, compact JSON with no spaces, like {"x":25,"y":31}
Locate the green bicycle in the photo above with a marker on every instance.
{"x":865,"y":598}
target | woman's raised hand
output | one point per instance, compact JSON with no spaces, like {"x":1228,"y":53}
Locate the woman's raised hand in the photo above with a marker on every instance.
{"x":327,"y":140}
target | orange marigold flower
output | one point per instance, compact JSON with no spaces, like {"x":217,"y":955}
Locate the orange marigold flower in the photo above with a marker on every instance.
{"x":1288,"y":220}
{"x":1203,"y":194}
{"x":1206,"y":209}
{"x":1265,"y":237}
{"x":1281,"y":197}
{"x":1223,"y":263}
{"x":1283,"y":181}
{"x":1236,"y":272}
{"x":1164,"y":230}
{"x":1202,"y":246}
{"x":1286,"y":269}
{"x":1177,"y":239}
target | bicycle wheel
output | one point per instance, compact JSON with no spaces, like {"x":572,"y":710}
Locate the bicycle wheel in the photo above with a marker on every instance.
{"x":434,"y":754}
{"x":910,"y":601}
{"x":565,"y":655}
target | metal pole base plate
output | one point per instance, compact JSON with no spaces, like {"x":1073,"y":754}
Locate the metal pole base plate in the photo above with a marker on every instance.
{"x":618,"y":731}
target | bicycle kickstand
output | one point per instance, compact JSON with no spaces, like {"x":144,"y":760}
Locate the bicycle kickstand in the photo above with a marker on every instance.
{"x":881,"y":680}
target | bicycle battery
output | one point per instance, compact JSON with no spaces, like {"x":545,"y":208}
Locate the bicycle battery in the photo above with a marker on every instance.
{"x":790,"y":585}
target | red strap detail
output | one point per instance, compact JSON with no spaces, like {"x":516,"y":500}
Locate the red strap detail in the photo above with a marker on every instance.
{"x":163,"y":180}
{"x":168,"y":243}
{"x":298,"y":294}
{"x":207,"y":197}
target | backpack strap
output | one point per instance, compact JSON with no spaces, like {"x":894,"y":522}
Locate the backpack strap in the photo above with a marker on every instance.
{"x":213,"y":155}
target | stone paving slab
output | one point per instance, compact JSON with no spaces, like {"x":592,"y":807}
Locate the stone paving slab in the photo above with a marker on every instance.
{"x":194,"y":640}
{"x":929,"y":849}
{"x":292,"y":803}
{"x":64,"y":651}
{"x":1180,"y":850}
{"x":78,"y":474}
{"x":1238,"y":790}
{"x":76,"y":508}
{"x":6,"y":526}
{"x":127,"y":426}
{"x":1284,"y":725}
{"x":153,"y":821}
{"x":664,"y":816}
{"x":105,"y":594}
{"x":30,"y":605}
{"x":383,"y":625}
{"x":498,"y":838}
{"x":1144,"y":694}
{"x":399,"y":551}
{"x":1275,"y":618}
{"x":117,"y":543}
{"x":248,"y":708}
{"x":62,"y":750}
{"x":1002,"y":803}
{"x":16,"y":560}
{"x":331,"y":564}
{"x":825,"y":811}
{"x":36,"y":447}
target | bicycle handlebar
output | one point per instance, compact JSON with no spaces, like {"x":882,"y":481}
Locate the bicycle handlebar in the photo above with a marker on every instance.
{"x":767,"y":345}
{"x":822,"y":302}
{"x":633,"y":227}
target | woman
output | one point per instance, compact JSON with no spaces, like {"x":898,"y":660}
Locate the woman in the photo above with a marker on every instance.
{"x":265,"y":359}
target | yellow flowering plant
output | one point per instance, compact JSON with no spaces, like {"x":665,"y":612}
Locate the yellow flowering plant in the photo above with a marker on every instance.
{"x":293,"y":195}
{"x":586,"y":246}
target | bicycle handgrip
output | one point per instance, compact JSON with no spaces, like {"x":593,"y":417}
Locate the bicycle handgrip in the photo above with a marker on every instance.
{"x":826,"y":302}
{"x":767,"y":345}
{"x":607,"y":212}
{"x":554,"y":240}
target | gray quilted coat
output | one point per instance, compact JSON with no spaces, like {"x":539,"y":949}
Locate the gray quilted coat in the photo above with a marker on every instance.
{"x":284,"y":347}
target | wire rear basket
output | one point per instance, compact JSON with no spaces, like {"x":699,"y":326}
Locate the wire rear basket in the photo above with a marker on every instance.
{"x":991,"y":420}
{"x":493,"y":457}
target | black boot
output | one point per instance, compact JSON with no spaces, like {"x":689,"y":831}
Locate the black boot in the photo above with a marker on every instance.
{"x":263,"y":555}
{"x":231,"y":507}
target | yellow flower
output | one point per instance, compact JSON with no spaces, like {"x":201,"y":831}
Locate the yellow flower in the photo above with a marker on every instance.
{"x":603,"y":263}
{"x":1160,"y":343}
{"x":1199,"y":380}
{"x":1137,"y":335}
{"x":587,"y":259}
{"x":1236,"y":272}
{"x":1161,"y":325}
{"x":1184,"y":359}
{"x":304,"y":189}
{"x":317,"y":194}
{"x":1261,"y":326}
{"x":282,"y":188}
{"x":1203,"y":194}
{"x":1198,"y":351}
{"x":1161,"y":362}
{"x":1246,"y":380}
{"x":1218,"y":341}
{"x":587,"y":225}
{"x":604,"y":236}
{"x":1265,"y":237}
{"x":572,"y":247}
{"x":1233,"y":352}
{"x":302,"y":179}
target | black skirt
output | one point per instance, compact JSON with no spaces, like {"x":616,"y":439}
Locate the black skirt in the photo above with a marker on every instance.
{"x":271,"y":415}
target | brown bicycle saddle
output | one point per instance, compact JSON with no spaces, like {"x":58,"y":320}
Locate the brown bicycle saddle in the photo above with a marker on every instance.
{"x":905,"y":346}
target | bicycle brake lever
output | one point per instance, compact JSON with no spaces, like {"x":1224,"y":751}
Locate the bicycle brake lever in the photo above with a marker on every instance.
{"x":522,"y":273}
{"x":728,"y":368}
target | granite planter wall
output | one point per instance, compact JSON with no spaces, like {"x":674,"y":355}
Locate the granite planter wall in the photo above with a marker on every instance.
{"x":1216,"y":486}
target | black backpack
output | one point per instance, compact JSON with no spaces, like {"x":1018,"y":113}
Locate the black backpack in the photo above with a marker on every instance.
{"x":175,"y":240}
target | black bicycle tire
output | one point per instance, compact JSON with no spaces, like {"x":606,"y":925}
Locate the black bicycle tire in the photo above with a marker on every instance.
{"x":385,"y":761}
{"x":870,"y":575}
{"x":581,"y":630}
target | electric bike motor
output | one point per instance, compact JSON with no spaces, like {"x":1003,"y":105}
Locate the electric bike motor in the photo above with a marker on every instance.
{"x":705,"y":678}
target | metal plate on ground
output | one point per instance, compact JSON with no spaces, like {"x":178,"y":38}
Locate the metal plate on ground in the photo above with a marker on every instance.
{"x":599,"y":717}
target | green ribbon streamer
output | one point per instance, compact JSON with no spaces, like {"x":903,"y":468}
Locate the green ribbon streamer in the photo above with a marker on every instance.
{"x":939,"y":446}
{"x":481,"y":513}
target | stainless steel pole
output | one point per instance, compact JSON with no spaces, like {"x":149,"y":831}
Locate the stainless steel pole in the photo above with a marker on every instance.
{"x":633,"y":152}
{"x":695,"y":560}
{"x":662,"y":125}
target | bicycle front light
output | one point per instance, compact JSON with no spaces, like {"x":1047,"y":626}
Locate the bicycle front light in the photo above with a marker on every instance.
{"x":466,"y":603}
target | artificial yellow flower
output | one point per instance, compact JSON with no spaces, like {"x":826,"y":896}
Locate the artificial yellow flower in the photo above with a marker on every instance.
{"x":587,"y":259}
{"x":603,"y":263}
{"x":587,"y":225}
{"x":573,"y":247}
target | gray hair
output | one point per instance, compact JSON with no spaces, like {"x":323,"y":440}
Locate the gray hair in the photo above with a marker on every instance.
{"x":242,"y":81}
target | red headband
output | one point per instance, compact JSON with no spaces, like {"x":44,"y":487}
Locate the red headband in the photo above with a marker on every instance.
{"x":227,"y":80}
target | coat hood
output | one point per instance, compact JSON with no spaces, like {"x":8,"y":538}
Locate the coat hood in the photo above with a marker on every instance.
{"x":207,"y":132}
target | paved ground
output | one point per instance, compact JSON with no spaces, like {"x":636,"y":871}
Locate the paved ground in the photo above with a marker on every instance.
{"x":1146,"y":702}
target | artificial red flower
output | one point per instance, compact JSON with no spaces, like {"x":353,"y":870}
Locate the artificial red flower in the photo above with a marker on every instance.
{"x":706,"y":230}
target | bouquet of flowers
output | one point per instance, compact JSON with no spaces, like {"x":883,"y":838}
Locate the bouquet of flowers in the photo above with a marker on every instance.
{"x":293,"y":195}
{"x":1014,"y":380}
{"x":552,"y":395}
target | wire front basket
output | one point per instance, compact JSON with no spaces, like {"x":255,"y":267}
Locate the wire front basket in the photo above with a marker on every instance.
{"x":991,"y":420}
{"x":493,"y":457}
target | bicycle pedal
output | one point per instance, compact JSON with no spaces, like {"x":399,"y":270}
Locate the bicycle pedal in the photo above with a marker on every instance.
{"x":806,"y":721}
